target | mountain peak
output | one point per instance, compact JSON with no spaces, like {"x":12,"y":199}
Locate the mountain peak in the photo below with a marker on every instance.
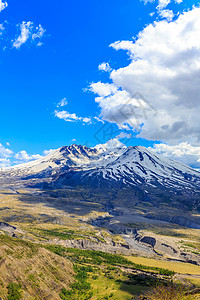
{"x":131,"y":166}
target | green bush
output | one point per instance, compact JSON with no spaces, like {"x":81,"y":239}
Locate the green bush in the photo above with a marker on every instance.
{"x":14,"y":291}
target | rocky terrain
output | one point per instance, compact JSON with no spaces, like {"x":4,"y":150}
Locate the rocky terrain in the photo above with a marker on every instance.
{"x":95,"y":167}
{"x":126,"y":201}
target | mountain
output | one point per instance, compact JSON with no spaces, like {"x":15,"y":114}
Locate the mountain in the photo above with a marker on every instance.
{"x":78,"y":165}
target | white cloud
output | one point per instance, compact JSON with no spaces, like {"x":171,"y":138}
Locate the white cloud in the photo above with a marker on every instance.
{"x":146,"y":1}
{"x":5,"y":155}
{"x":105,"y":67}
{"x":99,"y":120}
{"x":122,"y":109}
{"x":62,"y":103}
{"x":162,"y":4}
{"x":124,"y":135}
{"x":39,"y":44}
{"x":5,"y":152}
{"x":123,"y":45}
{"x":103,"y":89}
{"x":28,"y":32}
{"x":165,"y":69}
{"x":68,"y":117}
{"x":113,"y":143}
{"x":86,"y":120}
{"x":25,"y":28}
{"x":167,"y":14}
{"x":183,"y":152}
{"x":4,"y":163}
{"x":47,"y":152}
{"x":9,"y":158}
{"x":161,"y":8}
{"x":2,"y":28}
{"x":39,"y":32}
{"x":23,"y":156}
{"x":3,"y":5}
{"x":64,"y":115}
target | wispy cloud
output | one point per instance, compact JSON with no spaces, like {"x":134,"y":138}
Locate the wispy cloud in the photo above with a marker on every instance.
{"x":3,"y":5}
{"x":28,"y":32}
{"x":2,"y":28}
{"x":62,"y":103}
{"x":68,"y":117}
{"x":161,"y":8}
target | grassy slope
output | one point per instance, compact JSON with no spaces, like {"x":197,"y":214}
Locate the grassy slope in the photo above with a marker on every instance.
{"x":178,"y":267}
{"x":40,"y":272}
{"x":44,"y":273}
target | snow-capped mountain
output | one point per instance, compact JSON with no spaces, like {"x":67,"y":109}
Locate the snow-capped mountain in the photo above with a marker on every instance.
{"x":128,"y":166}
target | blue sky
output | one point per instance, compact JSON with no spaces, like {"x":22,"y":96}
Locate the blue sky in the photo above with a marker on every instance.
{"x":50,"y":51}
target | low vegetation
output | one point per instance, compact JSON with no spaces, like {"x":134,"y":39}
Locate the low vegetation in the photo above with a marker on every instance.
{"x":14,"y":291}
{"x":98,"y":257}
{"x":33,"y":269}
{"x":169,"y":292}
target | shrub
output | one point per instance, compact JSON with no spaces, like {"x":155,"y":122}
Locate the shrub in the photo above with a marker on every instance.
{"x":14,"y":291}
{"x":170,"y":292}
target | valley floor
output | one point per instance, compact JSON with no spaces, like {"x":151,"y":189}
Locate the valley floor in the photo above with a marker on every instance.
{"x":50,"y":252}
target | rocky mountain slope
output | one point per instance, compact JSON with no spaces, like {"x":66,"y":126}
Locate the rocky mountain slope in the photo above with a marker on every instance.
{"x":129,"y":166}
{"x":131,"y":182}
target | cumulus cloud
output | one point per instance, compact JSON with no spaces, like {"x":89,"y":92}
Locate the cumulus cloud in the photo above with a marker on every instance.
{"x":103,"y":89}
{"x":68,"y":117}
{"x":28,"y":32}
{"x":117,"y":106}
{"x":166,"y":14}
{"x":183,"y":152}
{"x":23,"y":156}
{"x":47,"y":152}
{"x":3,"y":5}
{"x":165,"y":69}
{"x":4,"y":163}
{"x":9,"y":158}
{"x":105,"y":67}
{"x":5,"y":152}
{"x":112,"y":143}
{"x":62,"y":103}
{"x":5,"y":155}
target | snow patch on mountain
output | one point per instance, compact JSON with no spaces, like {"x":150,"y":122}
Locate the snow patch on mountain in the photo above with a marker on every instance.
{"x":127,"y":165}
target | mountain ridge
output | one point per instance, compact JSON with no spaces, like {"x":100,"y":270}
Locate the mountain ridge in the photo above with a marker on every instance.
{"x":128,"y":166}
